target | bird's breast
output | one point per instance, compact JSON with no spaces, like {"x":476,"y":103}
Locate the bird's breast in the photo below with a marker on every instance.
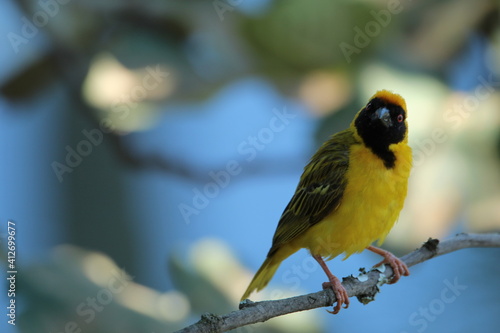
{"x":370,"y":205}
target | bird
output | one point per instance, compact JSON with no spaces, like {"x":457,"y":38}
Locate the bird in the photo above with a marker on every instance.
{"x":350,"y":195}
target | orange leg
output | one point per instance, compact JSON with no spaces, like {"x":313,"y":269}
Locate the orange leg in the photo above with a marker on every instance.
{"x":398,"y":266}
{"x":337,"y":287}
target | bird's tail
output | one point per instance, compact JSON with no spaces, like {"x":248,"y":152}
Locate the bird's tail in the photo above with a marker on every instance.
{"x":263,"y":276}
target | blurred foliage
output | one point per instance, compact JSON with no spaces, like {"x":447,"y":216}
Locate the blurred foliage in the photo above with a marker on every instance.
{"x":80,"y":291}
{"x":294,"y":38}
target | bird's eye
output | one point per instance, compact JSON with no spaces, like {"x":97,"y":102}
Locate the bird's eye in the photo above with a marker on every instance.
{"x":368,"y":106}
{"x":400,"y":118}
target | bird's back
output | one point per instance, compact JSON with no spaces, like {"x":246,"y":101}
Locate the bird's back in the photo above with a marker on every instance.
{"x":319,"y":192}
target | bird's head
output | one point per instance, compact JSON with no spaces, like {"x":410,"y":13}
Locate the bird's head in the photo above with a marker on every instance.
{"x":382,"y":121}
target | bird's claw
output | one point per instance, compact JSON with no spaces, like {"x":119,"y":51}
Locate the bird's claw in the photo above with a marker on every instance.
{"x":340,"y":294}
{"x":398,"y":266}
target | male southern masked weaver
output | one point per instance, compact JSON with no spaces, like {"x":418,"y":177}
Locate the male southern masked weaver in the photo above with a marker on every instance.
{"x":349,"y":195}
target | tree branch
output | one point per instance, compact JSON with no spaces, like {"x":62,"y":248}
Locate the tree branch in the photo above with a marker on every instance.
{"x":364,"y":287}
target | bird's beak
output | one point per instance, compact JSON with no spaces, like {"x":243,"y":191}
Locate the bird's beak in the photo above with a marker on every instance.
{"x":384,"y":116}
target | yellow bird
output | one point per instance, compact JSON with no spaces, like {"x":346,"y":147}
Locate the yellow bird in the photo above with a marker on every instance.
{"x":349,"y":195}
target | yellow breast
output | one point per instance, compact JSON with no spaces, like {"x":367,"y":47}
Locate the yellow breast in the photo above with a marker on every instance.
{"x":370,"y":206}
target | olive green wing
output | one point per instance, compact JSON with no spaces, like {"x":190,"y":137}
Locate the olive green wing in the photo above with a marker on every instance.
{"x":320,"y":189}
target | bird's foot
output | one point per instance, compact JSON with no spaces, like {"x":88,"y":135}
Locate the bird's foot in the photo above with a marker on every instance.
{"x":340,"y":293}
{"x":398,"y":266}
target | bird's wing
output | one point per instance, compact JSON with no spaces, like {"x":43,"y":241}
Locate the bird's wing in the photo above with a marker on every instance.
{"x":319,"y":192}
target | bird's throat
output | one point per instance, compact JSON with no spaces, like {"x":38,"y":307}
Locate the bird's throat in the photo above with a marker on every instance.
{"x":385,"y":154}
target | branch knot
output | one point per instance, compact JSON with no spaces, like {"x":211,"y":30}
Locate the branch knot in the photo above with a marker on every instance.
{"x":212,"y":322}
{"x":431,"y":245}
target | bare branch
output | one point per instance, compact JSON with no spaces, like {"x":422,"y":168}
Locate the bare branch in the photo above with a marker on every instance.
{"x":364,"y":287}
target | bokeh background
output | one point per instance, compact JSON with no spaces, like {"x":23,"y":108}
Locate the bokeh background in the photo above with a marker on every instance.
{"x":149,"y":148}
